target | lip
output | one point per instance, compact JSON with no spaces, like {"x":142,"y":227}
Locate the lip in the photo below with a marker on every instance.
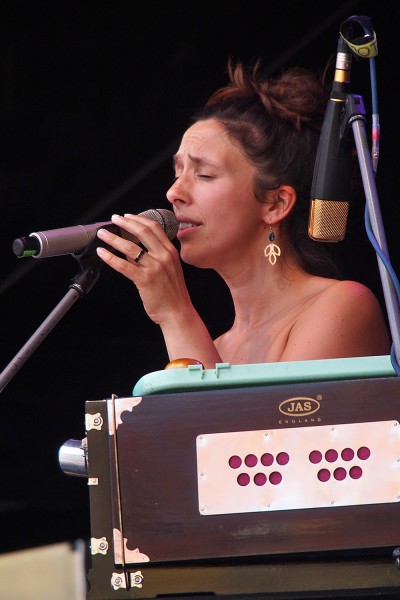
{"x":182,"y":233}
{"x":190,"y":226}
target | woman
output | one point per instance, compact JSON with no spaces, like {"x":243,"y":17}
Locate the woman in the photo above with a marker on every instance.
{"x":241,"y":195}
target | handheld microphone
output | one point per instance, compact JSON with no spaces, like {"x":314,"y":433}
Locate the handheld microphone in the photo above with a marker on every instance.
{"x":74,"y":240}
{"x":330,"y":189}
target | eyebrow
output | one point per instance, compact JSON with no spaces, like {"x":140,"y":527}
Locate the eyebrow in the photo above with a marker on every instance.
{"x":196,"y":159}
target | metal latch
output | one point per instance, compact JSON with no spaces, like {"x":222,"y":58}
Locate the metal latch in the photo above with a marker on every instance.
{"x":93,"y":421}
{"x":99,"y":545}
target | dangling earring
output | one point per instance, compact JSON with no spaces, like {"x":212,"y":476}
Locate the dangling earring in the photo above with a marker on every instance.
{"x":272,"y":251}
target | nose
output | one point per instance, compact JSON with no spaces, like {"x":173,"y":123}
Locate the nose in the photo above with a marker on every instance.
{"x":177,"y":193}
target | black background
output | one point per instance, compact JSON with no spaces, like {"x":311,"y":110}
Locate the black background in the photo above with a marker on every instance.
{"x":95,"y":97}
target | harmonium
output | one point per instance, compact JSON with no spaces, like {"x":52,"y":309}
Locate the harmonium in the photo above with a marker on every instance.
{"x":265,"y":480}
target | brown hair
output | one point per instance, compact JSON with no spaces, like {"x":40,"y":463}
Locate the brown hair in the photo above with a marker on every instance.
{"x":277,"y":121}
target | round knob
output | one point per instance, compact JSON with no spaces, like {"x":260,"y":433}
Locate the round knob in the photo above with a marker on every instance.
{"x":182,"y":363}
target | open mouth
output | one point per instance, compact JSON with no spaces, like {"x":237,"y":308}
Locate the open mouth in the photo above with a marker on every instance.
{"x":185,"y":225}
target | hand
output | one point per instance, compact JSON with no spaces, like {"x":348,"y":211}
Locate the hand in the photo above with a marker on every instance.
{"x":157,"y":273}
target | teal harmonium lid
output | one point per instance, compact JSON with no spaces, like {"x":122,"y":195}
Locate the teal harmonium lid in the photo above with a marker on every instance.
{"x":194,"y":377}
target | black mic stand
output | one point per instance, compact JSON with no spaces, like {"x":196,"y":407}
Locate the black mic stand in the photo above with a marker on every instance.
{"x":355,"y":116}
{"x":79,"y":287}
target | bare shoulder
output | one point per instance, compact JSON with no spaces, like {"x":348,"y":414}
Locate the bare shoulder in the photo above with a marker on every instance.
{"x":344,"y":318}
{"x":347,"y":302}
{"x":348,"y":292}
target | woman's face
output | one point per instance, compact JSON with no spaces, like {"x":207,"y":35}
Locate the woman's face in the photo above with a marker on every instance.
{"x":213,"y":198}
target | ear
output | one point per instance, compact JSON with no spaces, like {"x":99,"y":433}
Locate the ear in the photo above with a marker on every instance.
{"x":279,"y":203}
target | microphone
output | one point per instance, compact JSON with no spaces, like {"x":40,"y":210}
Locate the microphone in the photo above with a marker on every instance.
{"x":73,"y":240}
{"x":330,"y":187}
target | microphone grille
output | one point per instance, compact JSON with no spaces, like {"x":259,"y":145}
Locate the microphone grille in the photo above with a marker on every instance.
{"x":166,"y":218}
{"x":328,"y":220}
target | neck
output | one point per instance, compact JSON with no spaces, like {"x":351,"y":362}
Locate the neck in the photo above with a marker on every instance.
{"x":266,"y":288}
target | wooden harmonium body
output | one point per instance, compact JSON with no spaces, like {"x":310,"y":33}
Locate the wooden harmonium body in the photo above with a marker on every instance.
{"x":241,"y":463}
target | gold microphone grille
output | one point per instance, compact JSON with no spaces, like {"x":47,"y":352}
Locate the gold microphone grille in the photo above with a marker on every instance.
{"x":328,"y":220}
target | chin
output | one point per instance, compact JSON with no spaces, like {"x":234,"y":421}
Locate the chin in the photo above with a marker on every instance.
{"x":195,"y":259}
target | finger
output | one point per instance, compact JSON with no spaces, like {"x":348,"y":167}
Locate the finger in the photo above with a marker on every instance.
{"x":118,"y":264}
{"x":148,"y":232}
{"x":130,"y":249}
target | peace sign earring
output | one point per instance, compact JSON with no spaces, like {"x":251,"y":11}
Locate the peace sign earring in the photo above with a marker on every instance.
{"x":272,"y":251}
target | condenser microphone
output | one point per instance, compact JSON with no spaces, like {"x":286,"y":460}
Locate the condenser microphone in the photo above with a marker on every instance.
{"x":74,"y":240}
{"x":330,"y":189}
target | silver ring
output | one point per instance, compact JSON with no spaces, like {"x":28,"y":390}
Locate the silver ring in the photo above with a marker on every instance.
{"x":139,"y":256}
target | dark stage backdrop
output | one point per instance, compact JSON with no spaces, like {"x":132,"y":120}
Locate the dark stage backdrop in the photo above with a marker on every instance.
{"x":94,"y":99}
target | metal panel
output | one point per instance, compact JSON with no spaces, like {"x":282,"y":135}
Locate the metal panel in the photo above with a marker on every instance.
{"x":303,"y":467}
